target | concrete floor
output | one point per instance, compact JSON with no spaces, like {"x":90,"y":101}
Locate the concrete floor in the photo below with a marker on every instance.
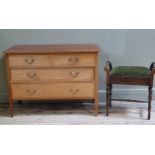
{"x":76,"y":114}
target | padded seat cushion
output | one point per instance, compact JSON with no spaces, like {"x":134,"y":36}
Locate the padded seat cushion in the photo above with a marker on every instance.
{"x":130,"y":71}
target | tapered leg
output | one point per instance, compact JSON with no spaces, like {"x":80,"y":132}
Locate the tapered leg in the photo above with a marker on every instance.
{"x":149,"y":102}
{"x":107,"y":99}
{"x":11,"y":108}
{"x":96,"y":106}
{"x":110,"y":96}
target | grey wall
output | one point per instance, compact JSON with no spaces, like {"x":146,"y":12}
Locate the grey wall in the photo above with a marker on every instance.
{"x":122,"y":47}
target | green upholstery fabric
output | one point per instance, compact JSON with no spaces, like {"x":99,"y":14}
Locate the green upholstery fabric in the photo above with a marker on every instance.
{"x":130,"y":71}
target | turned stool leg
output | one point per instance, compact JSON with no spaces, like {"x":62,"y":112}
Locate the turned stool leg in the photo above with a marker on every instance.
{"x":110,"y":96}
{"x":107,"y":99}
{"x":149,"y":102}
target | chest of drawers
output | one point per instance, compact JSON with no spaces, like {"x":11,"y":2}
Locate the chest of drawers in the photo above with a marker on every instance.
{"x":52,"y":72}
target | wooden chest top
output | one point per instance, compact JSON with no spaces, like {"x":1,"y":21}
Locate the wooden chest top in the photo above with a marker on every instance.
{"x":45,"y":49}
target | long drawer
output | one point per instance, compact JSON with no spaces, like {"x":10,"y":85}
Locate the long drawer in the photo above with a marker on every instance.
{"x":63,"y":60}
{"x":52,"y":91}
{"x":65,"y":74}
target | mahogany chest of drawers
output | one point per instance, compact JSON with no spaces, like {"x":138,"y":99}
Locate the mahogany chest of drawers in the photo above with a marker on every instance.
{"x":52,"y":72}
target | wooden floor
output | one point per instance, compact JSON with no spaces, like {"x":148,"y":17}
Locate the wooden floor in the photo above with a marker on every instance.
{"x":76,"y":114}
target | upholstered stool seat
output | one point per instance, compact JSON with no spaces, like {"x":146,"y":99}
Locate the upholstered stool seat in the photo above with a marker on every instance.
{"x":128,"y":75}
{"x":130,"y":71}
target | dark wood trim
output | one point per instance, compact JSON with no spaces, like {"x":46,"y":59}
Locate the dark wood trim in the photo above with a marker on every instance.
{"x":129,"y":100}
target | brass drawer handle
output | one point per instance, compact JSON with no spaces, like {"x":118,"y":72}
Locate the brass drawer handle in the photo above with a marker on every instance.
{"x":31,"y":74}
{"x":70,"y":90}
{"x":29,"y":60}
{"x":76,"y":59}
{"x":31,"y":92}
{"x":70,"y":59}
{"x":74,"y":91}
{"x":74,"y":74}
{"x":73,"y":59}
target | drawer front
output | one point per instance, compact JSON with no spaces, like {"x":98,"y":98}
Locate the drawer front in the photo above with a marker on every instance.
{"x":52,"y":60}
{"x":29,"y":60}
{"x":53,"y":91}
{"x":76,"y":74}
{"x":73,"y":60}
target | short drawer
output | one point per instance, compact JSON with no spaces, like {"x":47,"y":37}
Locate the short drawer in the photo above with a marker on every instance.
{"x":73,"y":60}
{"x":66,"y":74}
{"x":53,"y":91}
{"x":29,"y":60}
{"x":64,"y":60}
